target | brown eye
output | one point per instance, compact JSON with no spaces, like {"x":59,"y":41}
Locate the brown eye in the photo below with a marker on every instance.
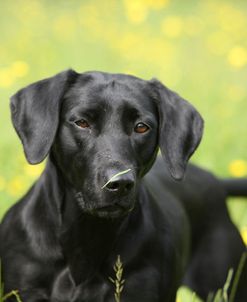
{"x":141,"y":128}
{"x":82,"y":123}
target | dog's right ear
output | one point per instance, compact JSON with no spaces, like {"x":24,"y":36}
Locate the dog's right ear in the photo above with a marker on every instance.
{"x":35,"y":113}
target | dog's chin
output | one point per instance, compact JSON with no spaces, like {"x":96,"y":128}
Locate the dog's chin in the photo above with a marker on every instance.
{"x":111,"y":212}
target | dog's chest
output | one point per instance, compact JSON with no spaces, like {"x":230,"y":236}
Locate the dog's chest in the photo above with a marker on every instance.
{"x":65,"y":290}
{"x":136,"y":287}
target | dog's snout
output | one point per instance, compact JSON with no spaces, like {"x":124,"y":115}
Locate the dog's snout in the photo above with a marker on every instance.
{"x":122,"y":183}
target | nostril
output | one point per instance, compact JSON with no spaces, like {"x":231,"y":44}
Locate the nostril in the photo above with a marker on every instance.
{"x":117,"y":186}
{"x":121,"y":183}
{"x":129,"y":186}
{"x":113,"y":186}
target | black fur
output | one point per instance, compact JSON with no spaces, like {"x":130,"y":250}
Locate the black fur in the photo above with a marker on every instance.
{"x":61,"y":240}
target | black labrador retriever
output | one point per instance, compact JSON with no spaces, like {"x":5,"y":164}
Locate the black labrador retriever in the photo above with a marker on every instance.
{"x":96,"y":200}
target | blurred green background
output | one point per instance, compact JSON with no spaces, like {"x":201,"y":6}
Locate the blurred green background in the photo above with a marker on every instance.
{"x":197,"y":48}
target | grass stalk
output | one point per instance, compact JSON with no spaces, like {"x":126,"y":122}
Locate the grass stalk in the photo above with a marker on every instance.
{"x":237,"y":277}
{"x":118,"y":282}
{"x":1,"y":283}
{"x":10,"y":294}
{"x":114,"y":176}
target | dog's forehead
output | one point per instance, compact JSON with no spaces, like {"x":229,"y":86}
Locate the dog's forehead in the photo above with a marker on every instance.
{"x":97,"y":78}
{"x":97,"y":87}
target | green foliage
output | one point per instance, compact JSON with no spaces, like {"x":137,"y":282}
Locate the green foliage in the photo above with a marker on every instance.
{"x":222,"y":295}
{"x":5,"y":297}
{"x":184,"y":294}
{"x":1,"y":283}
{"x":198,"y":48}
{"x":225,"y":294}
{"x":237,"y":277}
{"x":11,"y":294}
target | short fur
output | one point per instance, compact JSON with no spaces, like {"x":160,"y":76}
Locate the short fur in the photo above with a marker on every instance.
{"x":60,"y":241}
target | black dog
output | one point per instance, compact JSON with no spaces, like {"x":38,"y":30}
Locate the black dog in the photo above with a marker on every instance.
{"x":60,"y":242}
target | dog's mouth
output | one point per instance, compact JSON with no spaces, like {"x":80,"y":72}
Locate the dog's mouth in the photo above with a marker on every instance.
{"x":112,"y":208}
{"x":112,"y":211}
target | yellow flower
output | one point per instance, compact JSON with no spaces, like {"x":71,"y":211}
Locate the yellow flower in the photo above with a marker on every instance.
{"x":6,"y":77}
{"x":9,"y":74}
{"x":238,"y":168}
{"x":237,"y":57}
{"x":244,"y":234}
{"x":2,"y":183}
{"x":19,"y":68}
{"x":16,"y":186}
{"x":137,"y":10}
{"x":172,"y":26}
{"x":158,"y":4}
{"x":34,"y":170}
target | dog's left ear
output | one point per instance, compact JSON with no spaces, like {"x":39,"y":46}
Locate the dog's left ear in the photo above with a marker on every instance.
{"x":180,"y":130}
{"x":35,"y":113}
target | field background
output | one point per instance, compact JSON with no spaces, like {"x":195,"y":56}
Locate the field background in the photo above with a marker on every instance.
{"x":197,"y":48}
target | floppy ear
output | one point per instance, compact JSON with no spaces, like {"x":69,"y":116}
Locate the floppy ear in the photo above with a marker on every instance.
{"x":35,"y":113}
{"x":180,"y":130}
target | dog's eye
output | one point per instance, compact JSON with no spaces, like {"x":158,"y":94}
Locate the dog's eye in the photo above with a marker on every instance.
{"x":141,"y":128}
{"x":82,"y":123}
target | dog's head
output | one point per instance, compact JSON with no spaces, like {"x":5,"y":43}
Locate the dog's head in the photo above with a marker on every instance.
{"x":103,"y":131}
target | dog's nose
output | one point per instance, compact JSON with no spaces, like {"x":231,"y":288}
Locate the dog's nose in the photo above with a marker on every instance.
{"x":122,"y":183}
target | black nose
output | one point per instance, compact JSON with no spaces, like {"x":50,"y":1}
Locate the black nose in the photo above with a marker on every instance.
{"x":120,"y":183}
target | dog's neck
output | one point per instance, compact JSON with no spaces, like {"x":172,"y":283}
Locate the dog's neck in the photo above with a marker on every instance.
{"x":85,"y":240}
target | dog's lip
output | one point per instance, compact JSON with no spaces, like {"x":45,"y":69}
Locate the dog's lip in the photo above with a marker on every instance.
{"x":111,"y":208}
{"x":113,"y":211}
